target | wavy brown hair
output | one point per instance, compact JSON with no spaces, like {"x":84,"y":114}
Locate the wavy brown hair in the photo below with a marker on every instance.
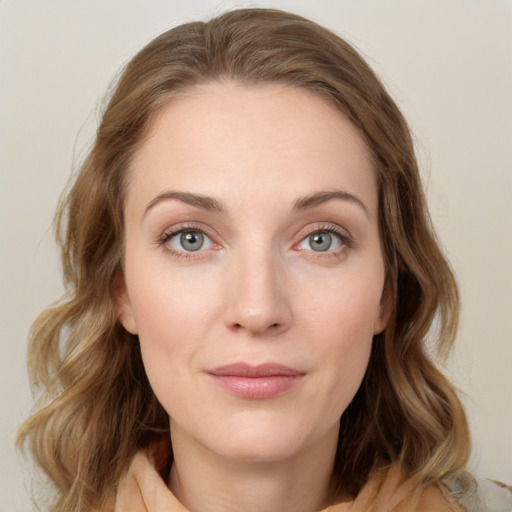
{"x":96,"y":407}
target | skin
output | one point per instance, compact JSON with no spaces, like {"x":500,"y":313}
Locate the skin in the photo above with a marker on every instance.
{"x":257,"y":291}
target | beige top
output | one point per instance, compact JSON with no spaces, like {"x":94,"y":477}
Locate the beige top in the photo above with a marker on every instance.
{"x":143,"y":490}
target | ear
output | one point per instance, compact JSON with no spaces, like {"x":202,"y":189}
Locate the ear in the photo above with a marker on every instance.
{"x":123,"y":306}
{"x":385,"y":308}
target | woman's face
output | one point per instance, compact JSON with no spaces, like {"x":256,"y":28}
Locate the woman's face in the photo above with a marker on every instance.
{"x":254,"y":273}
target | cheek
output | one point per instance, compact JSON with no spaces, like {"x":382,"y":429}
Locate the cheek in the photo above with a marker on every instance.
{"x":346,"y":346}
{"x":167,"y":346}
{"x":173,"y":316}
{"x":345,"y":308}
{"x":341,"y":325}
{"x":169,"y":302}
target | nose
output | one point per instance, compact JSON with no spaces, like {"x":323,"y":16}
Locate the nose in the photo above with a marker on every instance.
{"x":257,"y":300}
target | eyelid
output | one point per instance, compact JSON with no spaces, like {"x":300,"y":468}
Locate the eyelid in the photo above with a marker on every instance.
{"x":342,"y":234}
{"x":175,"y":230}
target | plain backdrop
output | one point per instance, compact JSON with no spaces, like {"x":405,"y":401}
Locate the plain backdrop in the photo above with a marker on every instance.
{"x":448,"y":63}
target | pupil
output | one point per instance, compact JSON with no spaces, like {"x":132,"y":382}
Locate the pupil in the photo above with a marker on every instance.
{"x":192,"y":241}
{"x":320,"y":241}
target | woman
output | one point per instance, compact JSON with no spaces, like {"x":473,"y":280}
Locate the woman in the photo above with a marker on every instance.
{"x":251,"y":277}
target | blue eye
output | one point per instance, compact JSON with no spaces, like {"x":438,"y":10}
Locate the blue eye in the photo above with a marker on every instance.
{"x":189,"y":240}
{"x":322,"y":241}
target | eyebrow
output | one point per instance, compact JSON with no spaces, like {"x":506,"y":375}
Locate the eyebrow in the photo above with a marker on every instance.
{"x":198,"y":200}
{"x":322,"y":197}
{"x":212,"y":204}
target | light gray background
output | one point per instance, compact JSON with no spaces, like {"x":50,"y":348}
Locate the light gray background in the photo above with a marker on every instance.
{"x":448,"y":64}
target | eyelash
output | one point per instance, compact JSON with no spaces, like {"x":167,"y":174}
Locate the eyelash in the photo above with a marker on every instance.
{"x":345,"y":239}
{"x":170,"y":234}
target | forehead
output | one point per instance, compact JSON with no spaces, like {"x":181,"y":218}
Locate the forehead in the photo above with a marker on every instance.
{"x":237,"y":141}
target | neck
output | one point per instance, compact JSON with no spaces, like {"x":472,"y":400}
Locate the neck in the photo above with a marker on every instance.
{"x":205,"y":481}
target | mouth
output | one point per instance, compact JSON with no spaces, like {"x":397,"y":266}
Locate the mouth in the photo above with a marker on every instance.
{"x":256,"y":382}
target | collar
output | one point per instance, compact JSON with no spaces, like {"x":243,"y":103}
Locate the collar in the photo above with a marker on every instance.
{"x":387,"y":490}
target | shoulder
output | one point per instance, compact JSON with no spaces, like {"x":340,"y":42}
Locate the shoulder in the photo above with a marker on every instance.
{"x":480,"y":494}
{"x":389,"y":489}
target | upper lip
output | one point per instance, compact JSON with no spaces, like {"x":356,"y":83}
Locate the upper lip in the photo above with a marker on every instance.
{"x":250,"y":370}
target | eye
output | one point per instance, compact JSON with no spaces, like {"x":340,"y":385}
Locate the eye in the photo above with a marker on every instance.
{"x":322,"y":241}
{"x":188,"y":240}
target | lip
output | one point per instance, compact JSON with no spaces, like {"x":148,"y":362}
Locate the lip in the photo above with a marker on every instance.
{"x":256,"y":382}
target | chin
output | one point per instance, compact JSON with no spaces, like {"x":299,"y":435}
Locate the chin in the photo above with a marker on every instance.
{"x":255,"y":449}
{"x":261,"y":439}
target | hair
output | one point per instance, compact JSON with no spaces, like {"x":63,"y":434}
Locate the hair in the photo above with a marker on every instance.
{"x":96,"y":408}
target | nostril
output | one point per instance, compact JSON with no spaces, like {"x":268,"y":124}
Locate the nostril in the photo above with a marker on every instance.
{"x":273,"y":326}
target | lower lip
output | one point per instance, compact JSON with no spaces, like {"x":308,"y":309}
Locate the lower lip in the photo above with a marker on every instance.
{"x":257,"y":388}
